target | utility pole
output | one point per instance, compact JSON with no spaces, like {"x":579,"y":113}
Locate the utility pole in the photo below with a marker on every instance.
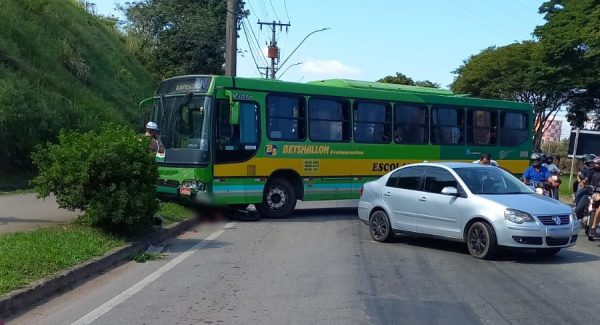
{"x":273,"y":52}
{"x":266,"y":71}
{"x":231,"y":38}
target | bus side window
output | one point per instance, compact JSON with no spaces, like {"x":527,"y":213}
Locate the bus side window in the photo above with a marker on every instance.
{"x":514,"y":128}
{"x":285,"y":117}
{"x":411,"y":125}
{"x":329,"y":120}
{"x":448,"y":125}
{"x":482,"y":127}
{"x":372,"y":122}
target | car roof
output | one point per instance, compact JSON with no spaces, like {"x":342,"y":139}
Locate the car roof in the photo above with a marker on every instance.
{"x":448,"y":164}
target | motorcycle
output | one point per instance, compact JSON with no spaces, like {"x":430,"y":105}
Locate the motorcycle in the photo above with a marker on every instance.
{"x":541,"y":188}
{"x":554,"y":189}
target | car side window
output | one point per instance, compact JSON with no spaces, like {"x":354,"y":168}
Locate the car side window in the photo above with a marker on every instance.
{"x":409,"y":178}
{"x":437,"y":178}
{"x":393,"y":179}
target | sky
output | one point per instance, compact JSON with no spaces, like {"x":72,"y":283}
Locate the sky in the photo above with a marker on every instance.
{"x":367,"y":40}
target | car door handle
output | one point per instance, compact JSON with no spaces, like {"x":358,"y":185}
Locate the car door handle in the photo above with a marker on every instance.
{"x":423,"y":199}
{"x":387,"y":194}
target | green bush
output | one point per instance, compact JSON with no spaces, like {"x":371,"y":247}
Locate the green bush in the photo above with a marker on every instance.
{"x":109,"y":174}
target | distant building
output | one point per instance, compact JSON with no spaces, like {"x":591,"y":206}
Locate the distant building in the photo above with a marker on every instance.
{"x":553,"y":131}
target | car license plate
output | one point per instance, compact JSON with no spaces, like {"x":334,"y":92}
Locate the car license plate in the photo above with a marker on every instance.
{"x":185,"y":191}
{"x":558,"y":232}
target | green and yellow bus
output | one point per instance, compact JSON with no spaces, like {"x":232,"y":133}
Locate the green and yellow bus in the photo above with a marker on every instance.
{"x":239,"y":141}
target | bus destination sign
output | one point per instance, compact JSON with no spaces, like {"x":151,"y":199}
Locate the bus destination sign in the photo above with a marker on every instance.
{"x":184,"y":85}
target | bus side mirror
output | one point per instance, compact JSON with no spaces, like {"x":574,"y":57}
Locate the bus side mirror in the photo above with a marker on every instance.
{"x":234,"y":113}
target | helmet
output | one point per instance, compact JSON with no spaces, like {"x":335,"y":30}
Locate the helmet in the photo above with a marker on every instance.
{"x":549,"y":157}
{"x":151,"y":126}
{"x":589,"y":158}
{"x":596,"y":161}
{"x":535,"y":156}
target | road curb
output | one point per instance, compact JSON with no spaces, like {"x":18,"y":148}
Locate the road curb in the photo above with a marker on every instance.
{"x":21,"y":299}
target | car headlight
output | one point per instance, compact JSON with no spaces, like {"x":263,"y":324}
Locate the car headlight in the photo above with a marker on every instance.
{"x":517,"y":216}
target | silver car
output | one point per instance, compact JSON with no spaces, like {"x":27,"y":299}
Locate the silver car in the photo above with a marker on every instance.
{"x":483,"y":206}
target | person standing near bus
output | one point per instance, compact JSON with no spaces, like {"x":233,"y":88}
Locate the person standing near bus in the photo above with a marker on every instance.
{"x":153,"y":133}
{"x":486,"y":159}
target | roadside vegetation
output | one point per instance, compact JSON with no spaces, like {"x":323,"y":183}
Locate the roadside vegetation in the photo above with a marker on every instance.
{"x":26,"y":257}
{"x":29,"y":256}
{"x":60,"y":68}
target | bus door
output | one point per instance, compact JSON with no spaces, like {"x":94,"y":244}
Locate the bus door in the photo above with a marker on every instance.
{"x":235,"y":143}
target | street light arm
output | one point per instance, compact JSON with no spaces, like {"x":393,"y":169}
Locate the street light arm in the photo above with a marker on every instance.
{"x":284,"y":71}
{"x":307,"y":36}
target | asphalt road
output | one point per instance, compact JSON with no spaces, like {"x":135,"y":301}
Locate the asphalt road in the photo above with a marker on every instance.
{"x":321,"y":267}
{"x":19,"y":212}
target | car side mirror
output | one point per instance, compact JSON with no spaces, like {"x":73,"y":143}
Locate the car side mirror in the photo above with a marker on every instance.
{"x":449,"y":190}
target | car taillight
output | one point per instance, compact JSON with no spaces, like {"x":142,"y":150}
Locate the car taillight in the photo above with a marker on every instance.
{"x":362,"y":189}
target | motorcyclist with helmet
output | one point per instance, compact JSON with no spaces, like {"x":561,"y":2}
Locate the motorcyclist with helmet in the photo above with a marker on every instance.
{"x":536,"y":172}
{"x":579,"y":184}
{"x":583,"y":178}
{"x":593,"y":180}
{"x":555,"y":174}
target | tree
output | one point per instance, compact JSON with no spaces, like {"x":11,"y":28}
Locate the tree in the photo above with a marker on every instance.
{"x":571,"y":43}
{"x":175,"y":37}
{"x":108,"y":174}
{"x":402,"y":79}
{"x":514,"y":72}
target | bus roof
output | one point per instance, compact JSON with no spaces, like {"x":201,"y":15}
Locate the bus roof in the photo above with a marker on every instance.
{"x":363,"y":90}
{"x":381,"y":86}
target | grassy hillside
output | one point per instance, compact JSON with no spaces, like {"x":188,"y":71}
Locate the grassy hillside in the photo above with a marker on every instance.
{"x":60,"y":68}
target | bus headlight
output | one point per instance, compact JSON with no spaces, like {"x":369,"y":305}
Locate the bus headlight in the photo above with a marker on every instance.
{"x":517,"y":216}
{"x":190,"y":183}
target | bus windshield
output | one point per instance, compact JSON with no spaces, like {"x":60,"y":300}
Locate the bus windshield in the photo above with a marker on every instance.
{"x":184,"y":125}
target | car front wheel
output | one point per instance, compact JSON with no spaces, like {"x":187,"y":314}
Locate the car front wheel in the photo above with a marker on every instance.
{"x":380,"y":227}
{"x":481,"y":240}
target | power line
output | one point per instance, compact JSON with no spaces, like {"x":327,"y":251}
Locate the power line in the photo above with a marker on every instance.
{"x":274,"y":11}
{"x":250,"y":47}
{"x":488,"y":18}
{"x":286,"y":10}
{"x":459,"y":13}
{"x":257,"y":42}
{"x":264,"y":8}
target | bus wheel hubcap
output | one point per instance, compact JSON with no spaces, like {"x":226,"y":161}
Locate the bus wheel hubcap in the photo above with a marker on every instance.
{"x":276,"y":198}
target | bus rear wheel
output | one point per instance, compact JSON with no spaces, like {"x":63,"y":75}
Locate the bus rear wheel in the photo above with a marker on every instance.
{"x":279,"y":199}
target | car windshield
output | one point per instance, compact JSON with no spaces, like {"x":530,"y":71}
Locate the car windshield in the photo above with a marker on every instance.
{"x":491,"y":180}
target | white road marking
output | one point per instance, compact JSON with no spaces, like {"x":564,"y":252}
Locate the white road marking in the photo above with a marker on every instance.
{"x":106,"y":307}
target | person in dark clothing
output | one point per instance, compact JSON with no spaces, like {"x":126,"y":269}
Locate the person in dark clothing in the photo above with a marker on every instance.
{"x":585,"y":179}
{"x":594,"y":180}
{"x":587,"y":166}
{"x":580,"y":199}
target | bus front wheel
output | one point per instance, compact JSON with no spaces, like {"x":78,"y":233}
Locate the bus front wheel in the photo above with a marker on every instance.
{"x":279,"y":199}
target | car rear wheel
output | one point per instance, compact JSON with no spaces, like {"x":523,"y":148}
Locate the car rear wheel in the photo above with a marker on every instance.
{"x":547,"y":252}
{"x":380,"y":227}
{"x":481,"y":240}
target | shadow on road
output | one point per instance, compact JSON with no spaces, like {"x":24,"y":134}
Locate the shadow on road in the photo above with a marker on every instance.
{"x":317,"y":215}
{"x":521,"y":256}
